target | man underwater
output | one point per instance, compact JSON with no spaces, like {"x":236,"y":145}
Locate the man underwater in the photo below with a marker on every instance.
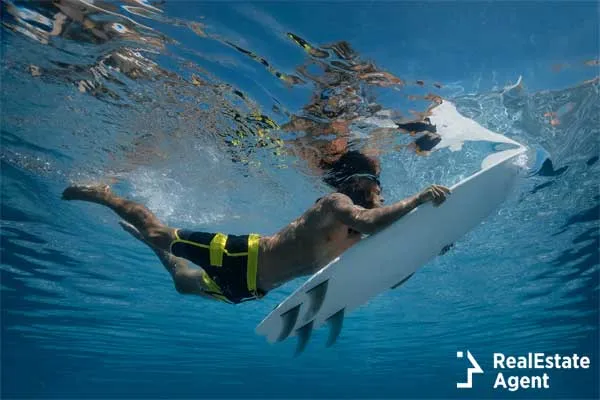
{"x":234,"y":268}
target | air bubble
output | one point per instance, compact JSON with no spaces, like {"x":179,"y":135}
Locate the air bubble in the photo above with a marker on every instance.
{"x":119,"y":27}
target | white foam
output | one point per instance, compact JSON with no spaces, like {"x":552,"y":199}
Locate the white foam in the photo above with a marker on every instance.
{"x":172,"y":201}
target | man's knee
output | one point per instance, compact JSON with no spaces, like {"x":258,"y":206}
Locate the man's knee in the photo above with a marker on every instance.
{"x":181,"y":288}
{"x":185,"y":282}
{"x":160,"y":237}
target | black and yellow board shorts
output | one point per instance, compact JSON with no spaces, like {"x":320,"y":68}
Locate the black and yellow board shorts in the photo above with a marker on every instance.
{"x":230,"y":262}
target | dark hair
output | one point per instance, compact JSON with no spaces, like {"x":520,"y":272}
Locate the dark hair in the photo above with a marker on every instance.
{"x":359,"y":189}
{"x":351,"y":163}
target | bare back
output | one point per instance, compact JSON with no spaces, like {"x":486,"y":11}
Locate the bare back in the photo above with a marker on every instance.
{"x":304,"y":246}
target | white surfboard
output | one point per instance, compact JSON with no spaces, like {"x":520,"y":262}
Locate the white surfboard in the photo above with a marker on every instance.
{"x":388,"y":258}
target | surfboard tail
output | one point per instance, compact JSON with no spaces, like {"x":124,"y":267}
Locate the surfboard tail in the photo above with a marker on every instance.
{"x":289,"y":319}
{"x":336,"y":323}
{"x":303,"y":334}
{"x":316,"y":297}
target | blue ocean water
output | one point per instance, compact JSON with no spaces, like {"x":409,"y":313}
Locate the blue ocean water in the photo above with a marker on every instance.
{"x":170,"y":103}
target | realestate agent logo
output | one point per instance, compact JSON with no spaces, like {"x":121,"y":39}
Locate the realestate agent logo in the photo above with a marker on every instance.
{"x":474,"y":369}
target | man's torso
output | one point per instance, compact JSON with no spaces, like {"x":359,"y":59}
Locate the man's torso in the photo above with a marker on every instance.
{"x":303,"y":247}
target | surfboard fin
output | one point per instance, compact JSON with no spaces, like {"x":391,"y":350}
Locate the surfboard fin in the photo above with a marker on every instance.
{"x":289,"y":321}
{"x":402,"y":281}
{"x":316,"y":296}
{"x":336,"y":323}
{"x":303,"y":333}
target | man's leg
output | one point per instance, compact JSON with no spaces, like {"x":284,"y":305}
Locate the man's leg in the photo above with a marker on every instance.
{"x":174,"y":265}
{"x":186,"y":279}
{"x":153,"y":231}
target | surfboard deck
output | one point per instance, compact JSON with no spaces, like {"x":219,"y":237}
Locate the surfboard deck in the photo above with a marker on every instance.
{"x":390,"y":257}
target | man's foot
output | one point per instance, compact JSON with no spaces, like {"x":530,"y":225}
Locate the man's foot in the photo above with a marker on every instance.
{"x":132,"y":230}
{"x":86,"y":192}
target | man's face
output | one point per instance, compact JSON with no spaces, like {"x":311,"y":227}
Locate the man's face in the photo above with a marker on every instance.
{"x":375,"y":198}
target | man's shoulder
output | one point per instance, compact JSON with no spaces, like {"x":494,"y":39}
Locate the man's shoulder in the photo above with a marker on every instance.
{"x":335,"y":199}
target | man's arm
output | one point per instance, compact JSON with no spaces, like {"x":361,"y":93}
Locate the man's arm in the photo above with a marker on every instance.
{"x":368,"y":221}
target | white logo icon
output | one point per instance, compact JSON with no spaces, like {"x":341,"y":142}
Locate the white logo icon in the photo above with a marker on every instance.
{"x":475,"y":369}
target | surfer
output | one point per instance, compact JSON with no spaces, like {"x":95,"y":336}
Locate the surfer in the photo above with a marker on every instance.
{"x":237,"y":268}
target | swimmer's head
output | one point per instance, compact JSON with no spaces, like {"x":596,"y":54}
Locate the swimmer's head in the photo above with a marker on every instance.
{"x":351,"y":163}
{"x":363,"y":189}
{"x":357,"y":176}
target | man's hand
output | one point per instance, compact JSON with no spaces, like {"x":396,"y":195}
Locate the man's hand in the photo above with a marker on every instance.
{"x":434,"y":193}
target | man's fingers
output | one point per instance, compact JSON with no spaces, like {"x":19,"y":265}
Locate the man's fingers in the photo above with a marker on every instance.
{"x":444,"y":189}
{"x":437,"y":194}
